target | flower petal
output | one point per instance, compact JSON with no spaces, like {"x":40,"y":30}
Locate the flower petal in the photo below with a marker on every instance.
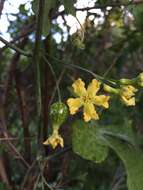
{"x":128,"y":91}
{"x":93,"y":87}
{"x":128,"y":102}
{"x":54,"y":140}
{"x":102,"y":100}
{"x":74,"y":104}
{"x":90,"y":112}
{"x":79,"y":87}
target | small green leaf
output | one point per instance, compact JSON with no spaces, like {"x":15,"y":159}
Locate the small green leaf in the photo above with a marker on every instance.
{"x":137,"y":12}
{"x":86,"y":143}
{"x":69,"y":7}
{"x":22,"y":9}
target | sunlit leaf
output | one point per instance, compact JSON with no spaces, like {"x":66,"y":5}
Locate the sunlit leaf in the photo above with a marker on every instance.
{"x":86,"y":143}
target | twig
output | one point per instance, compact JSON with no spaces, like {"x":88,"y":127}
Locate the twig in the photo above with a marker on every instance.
{"x":45,"y":182}
{"x":15,"y":48}
{"x":58,"y":82}
{"x":13,"y":65}
{"x":64,"y":150}
{"x":114,"y":61}
{"x":12,"y":69}
{"x":23,"y":111}
{"x":54,"y":75}
{"x":3,"y":171}
{"x":24,"y":32}
{"x":98,"y":6}
{"x":37,"y":182}
{"x":12,"y":139}
{"x":13,"y":148}
{"x":27,"y":174}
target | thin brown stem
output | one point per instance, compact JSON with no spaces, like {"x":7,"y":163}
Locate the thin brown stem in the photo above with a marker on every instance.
{"x":23,"y":111}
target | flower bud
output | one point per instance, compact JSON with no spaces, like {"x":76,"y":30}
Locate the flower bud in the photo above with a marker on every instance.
{"x":127,"y":94}
{"x":140,"y":79}
{"x":110,"y":89}
{"x":126,"y":81}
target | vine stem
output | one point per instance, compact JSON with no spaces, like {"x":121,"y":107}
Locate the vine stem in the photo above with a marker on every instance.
{"x":112,"y":83}
{"x":98,"y":77}
{"x":36,"y":58}
{"x":55,"y":78}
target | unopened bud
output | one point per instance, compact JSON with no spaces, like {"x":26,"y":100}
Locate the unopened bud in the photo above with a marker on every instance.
{"x":140,"y":79}
{"x":110,"y":89}
{"x":126,"y":81}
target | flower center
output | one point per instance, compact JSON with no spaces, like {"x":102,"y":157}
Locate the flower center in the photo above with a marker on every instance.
{"x":86,"y":99}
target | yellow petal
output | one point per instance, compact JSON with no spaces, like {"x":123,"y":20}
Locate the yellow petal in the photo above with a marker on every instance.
{"x":128,"y":91}
{"x":128,"y":102}
{"x":74,"y":104}
{"x":93,"y":87}
{"x":90,"y":112}
{"x":102,"y":100}
{"x":79,"y":87}
{"x":54,"y":140}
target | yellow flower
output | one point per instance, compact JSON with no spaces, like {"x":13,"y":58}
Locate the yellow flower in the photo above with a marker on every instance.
{"x":54,"y":140}
{"x":127,"y":94}
{"x":88,"y":99}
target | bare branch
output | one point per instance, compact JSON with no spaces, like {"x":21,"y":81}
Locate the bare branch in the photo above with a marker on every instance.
{"x":24,"y":32}
{"x":98,"y":6}
{"x":15,"y":48}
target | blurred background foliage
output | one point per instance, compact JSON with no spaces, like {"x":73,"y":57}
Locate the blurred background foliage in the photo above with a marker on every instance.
{"x":108,"y":43}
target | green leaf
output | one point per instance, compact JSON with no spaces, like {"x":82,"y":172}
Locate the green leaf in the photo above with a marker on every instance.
{"x":22,"y":9}
{"x":92,"y":143}
{"x":122,"y":132}
{"x":137,"y":12}
{"x":87,"y":144}
{"x":132,"y":159}
{"x":122,"y":140}
{"x":69,"y":7}
{"x":2,"y":186}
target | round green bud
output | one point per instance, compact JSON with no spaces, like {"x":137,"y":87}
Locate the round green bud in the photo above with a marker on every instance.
{"x":58,"y":113}
{"x":140,"y":79}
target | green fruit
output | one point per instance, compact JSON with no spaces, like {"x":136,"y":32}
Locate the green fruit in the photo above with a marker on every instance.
{"x":58,"y":113}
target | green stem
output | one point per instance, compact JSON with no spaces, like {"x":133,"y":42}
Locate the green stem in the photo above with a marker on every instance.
{"x":36,"y":55}
{"x":55,"y":78}
{"x":36,"y":58}
{"x":102,"y":79}
{"x":98,"y":77}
